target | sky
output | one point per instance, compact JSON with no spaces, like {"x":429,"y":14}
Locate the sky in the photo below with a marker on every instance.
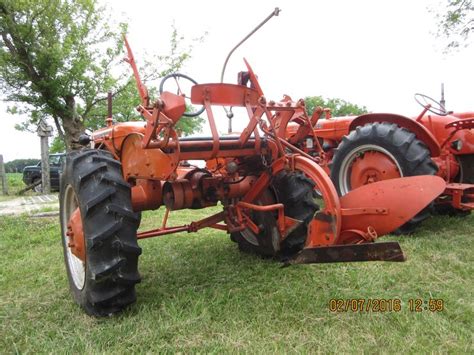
{"x":375,"y":53}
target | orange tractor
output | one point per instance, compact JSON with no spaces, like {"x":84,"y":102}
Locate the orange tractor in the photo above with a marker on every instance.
{"x":359,"y":150}
{"x":266,"y":188}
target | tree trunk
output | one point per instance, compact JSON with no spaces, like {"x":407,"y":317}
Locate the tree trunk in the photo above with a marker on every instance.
{"x":73,"y":125}
{"x":73,"y":128}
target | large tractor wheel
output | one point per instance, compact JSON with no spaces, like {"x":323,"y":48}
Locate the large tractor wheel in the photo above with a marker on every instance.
{"x":99,"y":233}
{"x":297,"y":194}
{"x":381,"y":151}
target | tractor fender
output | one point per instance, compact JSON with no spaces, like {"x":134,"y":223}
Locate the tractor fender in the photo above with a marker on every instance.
{"x":420,"y":131}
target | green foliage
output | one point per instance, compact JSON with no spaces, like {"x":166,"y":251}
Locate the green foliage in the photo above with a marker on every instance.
{"x":17,"y":165}
{"x":456,"y":22}
{"x":57,"y":145}
{"x":338,"y":107}
{"x":126,"y":98}
{"x":15,"y":184}
{"x":57,"y":60}
{"x":189,"y":125}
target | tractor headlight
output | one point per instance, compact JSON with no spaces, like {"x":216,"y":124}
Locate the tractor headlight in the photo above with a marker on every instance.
{"x":457,"y":145}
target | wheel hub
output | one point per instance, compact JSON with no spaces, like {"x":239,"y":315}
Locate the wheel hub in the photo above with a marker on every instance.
{"x":75,"y":234}
{"x":372,"y":166}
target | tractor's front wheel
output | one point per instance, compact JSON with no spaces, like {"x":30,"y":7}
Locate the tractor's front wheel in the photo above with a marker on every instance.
{"x":99,"y":233}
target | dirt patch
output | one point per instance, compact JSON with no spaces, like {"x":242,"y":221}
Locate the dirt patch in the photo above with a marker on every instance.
{"x":30,"y":205}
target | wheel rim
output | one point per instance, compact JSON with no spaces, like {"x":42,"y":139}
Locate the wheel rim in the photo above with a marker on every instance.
{"x":76,"y":266}
{"x":250,"y":236}
{"x":367,"y":164}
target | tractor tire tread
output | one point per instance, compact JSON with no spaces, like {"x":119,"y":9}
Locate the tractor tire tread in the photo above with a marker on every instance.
{"x":99,"y":198}
{"x":104,"y":233}
{"x":110,"y":232}
{"x":91,"y":171}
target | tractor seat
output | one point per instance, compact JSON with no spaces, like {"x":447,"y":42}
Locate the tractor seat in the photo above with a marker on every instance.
{"x":224,"y":95}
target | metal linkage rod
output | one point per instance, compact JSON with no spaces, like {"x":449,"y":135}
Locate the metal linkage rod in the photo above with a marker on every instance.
{"x":274,"y":13}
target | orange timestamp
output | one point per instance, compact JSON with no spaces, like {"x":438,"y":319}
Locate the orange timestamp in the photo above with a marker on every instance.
{"x":382,"y":305}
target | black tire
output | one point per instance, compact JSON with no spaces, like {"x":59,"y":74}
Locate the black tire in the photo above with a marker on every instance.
{"x":411,"y":155}
{"x":93,"y":181}
{"x":267,"y":242}
{"x":38,"y":188}
{"x":466,"y":176}
{"x":297,"y":194}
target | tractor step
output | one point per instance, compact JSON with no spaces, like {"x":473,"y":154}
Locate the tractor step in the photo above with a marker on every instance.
{"x":462,"y":195}
{"x":388,"y":251}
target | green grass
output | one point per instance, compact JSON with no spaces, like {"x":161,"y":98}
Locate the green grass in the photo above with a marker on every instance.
{"x":199,"y":294}
{"x":15,"y":184}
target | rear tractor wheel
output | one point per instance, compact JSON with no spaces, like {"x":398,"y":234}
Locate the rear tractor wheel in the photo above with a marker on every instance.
{"x":99,"y":233}
{"x":297,"y":194}
{"x":381,"y":151}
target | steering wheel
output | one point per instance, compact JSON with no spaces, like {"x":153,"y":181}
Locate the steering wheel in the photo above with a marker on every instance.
{"x":434,"y":106}
{"x":182,"y":86}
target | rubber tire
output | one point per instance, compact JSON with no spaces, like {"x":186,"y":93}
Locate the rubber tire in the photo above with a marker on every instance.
{"x":38,"y":188}
{"x":267,"y":241}
{"x":412,"y":155}
{"x":467,"y":177}
{"x":297,"y":194}
{"x":110,"y":232}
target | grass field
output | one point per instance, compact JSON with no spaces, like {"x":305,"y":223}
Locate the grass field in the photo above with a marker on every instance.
{"x":15,"y":184}
{"x":199,"y":294}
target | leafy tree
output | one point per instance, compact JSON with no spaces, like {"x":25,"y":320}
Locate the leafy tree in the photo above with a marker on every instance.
{"x":456,"y":22}
{"x":338,"y":107}
{"x":17,"y":165}
{"x":57,"y":59}
{"x":57,"y":145}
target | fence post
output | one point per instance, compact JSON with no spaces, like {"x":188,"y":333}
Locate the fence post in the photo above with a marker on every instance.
{"x":3,"y":176}
{"x":45,"y":131}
